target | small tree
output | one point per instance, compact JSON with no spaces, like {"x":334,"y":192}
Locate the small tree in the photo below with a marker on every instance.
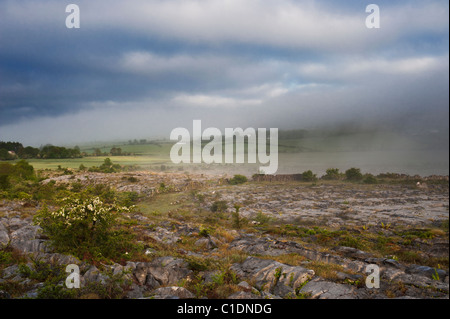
{"x":370,"y":179}
{"x":236,"y":218}
{"x":353,"y":174}
{"x":332,"y":174}
{"x":85,"y":228}
{"x":238,"y":179}
{"x":309,"y":176}
{"x":219,"y":206}
{"x":24,"y":170}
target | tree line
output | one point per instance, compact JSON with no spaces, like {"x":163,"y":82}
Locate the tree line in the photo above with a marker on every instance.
{"x":14,"y":150}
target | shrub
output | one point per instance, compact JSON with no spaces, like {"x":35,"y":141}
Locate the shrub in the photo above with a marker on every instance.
{"x":309,"y":176}
{"x":219,"y":206}
{"x":128,"y":198}
{"x":237,"y":179}
{"x":332,"y":174}
{"x":353,"y":174}
{"x":85,"y":228}
{"x":204,"y":232}
{"x":24,"y":170}
{"x":370,"y":179}
{"x":263,"y":218}
{"x":4,"y":182}
{"x":132,"y":179}
{"x":107,"y":167}
{"x":236,"y":219}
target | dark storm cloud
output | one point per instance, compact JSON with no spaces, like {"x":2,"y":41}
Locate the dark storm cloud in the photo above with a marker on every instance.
{"x":139,"y":68}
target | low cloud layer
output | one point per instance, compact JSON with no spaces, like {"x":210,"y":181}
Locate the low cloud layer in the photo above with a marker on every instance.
{"x":141,"y":68}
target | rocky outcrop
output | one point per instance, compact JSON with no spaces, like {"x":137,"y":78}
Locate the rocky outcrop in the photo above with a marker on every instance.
{"x":272,"y":276}
{"x":261,"y":276}
{"x":172,"y":293}
{"x":277,"y":178}
{"x":319,"y":288}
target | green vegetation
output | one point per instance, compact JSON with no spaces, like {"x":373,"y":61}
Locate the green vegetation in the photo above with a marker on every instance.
{"x":14,"y":150}
{"x":332,"y":174}
{"x":90,"y":221}
{"x":219,"y":206}
{"x":353,"y":174}
{"x":370,"y":179}
{"x":237,"y":179}
{"x":106,"y":167}
{"x":309,"y":176}
{"x":87,"y":228}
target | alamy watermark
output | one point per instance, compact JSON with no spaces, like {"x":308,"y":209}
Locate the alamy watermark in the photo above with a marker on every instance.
{"x":73,"y":280}
{"x":373,"y":19}
{"x":73,"y":19}
{"x":373,"y":279}
{"x":212,"y":152}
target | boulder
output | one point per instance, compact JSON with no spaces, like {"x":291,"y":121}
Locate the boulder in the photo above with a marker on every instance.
{"x":4,"y":237}
{"x":169,"y":270}
{"x":27,"y":239}
{"x":244,"y":295}
{"x":173,"y":293}
{"x":163,"y":271}
{"x":206,"y":242}
{"x":163,"y":235}
{"x":318,"y":288}
{"x":426,"y":271}
{"x":272,"y":276}
{"x":94,"y":275}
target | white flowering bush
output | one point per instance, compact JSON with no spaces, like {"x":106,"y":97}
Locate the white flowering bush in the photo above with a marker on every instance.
{"x":86,"y":228}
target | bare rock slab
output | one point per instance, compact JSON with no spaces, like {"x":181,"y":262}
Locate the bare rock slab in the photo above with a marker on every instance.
{"x":273,"y":276}
{"x":318,"y":288}
{"x":173,"y":293}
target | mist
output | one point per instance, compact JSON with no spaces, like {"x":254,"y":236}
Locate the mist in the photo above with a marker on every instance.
{"x":142,"y":69}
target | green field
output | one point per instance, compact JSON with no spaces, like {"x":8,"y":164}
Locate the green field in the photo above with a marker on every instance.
{"x":144,"y":162}
{"x":374,"y":153}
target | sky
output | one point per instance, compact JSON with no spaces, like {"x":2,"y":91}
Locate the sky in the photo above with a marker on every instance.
{"x":139,"y":69}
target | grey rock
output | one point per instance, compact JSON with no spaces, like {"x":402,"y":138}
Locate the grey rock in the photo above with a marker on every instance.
{"x":207,"y":242}
{"x":350,"y":277}
{"x":10,"y":272}
{"x":321,"y":289}
{"x":27,"y":232}
{"x":245,"y":286}
{"x":439,"y":248}
{"x":426,"y":271}
{"x":282,"y":290}
{"x":60,"y":259}
{"x":268,"y":295}
{"x":140,"y":273}
{"x":94,"y":275}
{"x":135,"y":292}
{"x":392,"y":274}
{"x":27,"y":240}
{"x":4,"y":295}
{"x":244,"y":295}
{"x":163,"y":235}
{"x":268,"y":273}
{"x":394,"y":263}
{"x":352,"y":252}
{"x":169,"y":270}
{"x":151,"y":282}
{"x":4,"y":238}
{"x":16,"y":223}
{"x":208,"y":276}
{"x":171,"y":292}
